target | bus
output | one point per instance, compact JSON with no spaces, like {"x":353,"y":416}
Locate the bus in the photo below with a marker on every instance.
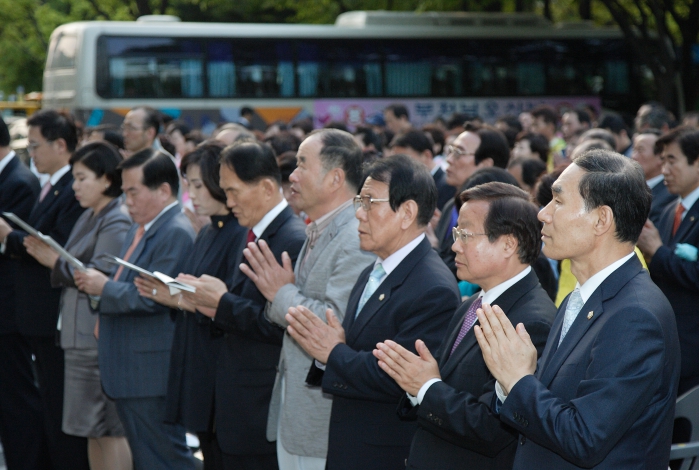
{"x":437,"y":64}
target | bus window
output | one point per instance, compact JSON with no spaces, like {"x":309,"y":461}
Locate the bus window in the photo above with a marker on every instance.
{"x":63,"y":53}
{"x":262,"y":68}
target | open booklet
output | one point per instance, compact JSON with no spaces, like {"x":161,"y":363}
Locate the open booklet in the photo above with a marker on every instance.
{"x":76,"y":263}
{"x":174,"y":286}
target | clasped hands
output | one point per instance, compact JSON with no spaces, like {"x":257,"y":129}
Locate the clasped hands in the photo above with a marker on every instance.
{"x":315,"y":336}
{"x":263,"y":269}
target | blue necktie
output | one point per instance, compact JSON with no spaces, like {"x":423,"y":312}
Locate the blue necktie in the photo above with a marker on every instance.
{"x":573,"y":307}
{"x":372,"y":284}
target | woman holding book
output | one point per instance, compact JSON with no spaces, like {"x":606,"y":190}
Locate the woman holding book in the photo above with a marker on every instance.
{"x":100,"y":230}
{"x":217,"y":251}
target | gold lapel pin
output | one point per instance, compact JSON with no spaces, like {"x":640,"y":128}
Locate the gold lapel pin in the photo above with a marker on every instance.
{"x":691,"y":219}
{"x":220,"y":223}
{"x":55,"y":193}
{"x":381,"y":297}
{"x":589,"y":315}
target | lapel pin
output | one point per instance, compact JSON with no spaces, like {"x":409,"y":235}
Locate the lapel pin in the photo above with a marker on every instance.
{"x":55,"y":193}
{"x":381,"y":297}
{"x":220,"y":223}
{"x":589,"y":315}
{"x":691,"y":219}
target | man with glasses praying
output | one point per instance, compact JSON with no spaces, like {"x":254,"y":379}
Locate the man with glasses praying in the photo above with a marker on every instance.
{"x":496,"y":241}
{"x":406,"y":294}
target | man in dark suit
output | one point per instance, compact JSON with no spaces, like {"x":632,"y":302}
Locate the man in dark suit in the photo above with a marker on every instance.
{"x":676,"y":272}
{"x":406,"y":294}
{"x":647,"y":155}
{"x":603,"y":394}
{"x":52,"y":140}
{"x":21,"y":416}
{"x":135,"y":333}
{"x":247,"y":364}
{"x":418,"y":145}
{"x":496,"y":241}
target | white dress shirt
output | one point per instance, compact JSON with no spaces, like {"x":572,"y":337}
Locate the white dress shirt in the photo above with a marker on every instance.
{"x":264,"y":222}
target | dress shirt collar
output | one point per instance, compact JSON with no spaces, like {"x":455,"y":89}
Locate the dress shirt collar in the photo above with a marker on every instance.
{"x":434,"y":169}
{"x":689,"y":201}
{"x":150,"y":224}
{"x":594,"y":282}
{"x":323,"y":222}
{"x":6,"y":160}
{"x":262,"y":225}
{"x":654,"y":181}
{"x":390,"y":263}
{"x":59,"y":174}
{"x":488,"y":297}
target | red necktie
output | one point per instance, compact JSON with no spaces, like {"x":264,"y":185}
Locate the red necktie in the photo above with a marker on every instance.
{"x":678,"y":218}
{"x":137,"y":238}
{"x":251,"y":237}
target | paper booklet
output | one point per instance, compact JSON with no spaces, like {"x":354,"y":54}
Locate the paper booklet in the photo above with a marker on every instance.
{"x":174,"y":286}
{"x":75,"y":262}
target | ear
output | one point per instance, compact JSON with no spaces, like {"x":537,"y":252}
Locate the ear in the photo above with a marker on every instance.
{"x":408,"y":212}
{"x":268,"y":187}
{"x":165,"y":190}
{"x":510,"y":245}
{"x":152,"y":133}
{"x":62,"y":146}
{"x":337,"y":178}
{"x":485,"y":163}
{"x":604,"y":222}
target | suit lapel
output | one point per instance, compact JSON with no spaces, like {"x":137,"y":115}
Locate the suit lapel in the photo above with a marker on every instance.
{"x":687,"y":223}
{"x":383,"y":293}
{"x":556,"y":355}
{"x":9,"y":169}
{"x":42,"y":206}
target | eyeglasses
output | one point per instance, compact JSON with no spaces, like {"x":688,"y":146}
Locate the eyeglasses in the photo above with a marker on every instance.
{"x":457,"y":152}
{"x":31,"y":146}
{"x":131,"y":128}
{"x":462,"y":235}
{"x":365,"y":202}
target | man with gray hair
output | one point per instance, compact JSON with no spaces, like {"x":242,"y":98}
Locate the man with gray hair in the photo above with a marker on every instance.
{"x":326,"y":179}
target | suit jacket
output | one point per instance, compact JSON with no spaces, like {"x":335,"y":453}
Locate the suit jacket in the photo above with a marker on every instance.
{"x":36,"y":301}
{"x":661,"y":199}
{"x":247,"y":363}
{"x":444,"y":191}
{"x":416,"y":300}
{"x":197,"y":343}
{"x":679,"y":281}
{"x":323,"y":281}
{"x":19,"y":188}
{"x":135,"y":332}
{"x":443,"y":234}
{"x":455,"y":424}
{"x":92,"y":237}
{"x":605,"y":398}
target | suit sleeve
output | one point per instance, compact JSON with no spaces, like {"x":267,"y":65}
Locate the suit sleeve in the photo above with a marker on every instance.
{"x":356,"y":374}
{"x":665,"y":264}
{"x":349,"y":263}
{"x":617,"y":387}
{"x":122,"y":297}
{"x":466,"y":418}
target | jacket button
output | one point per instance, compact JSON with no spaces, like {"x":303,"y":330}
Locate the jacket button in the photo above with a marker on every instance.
{"x":515,"y":416}
{"x":523,"y":440}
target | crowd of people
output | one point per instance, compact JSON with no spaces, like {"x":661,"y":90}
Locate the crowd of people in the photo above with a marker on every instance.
{"x":464,"y":295}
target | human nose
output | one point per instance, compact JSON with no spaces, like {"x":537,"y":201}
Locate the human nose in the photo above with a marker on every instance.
{"x":293,"y":177}
{"x":544,"y":214}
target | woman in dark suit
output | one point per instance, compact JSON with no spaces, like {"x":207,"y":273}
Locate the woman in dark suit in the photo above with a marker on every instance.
{"x":217,"y":252}
{"x":87,"y":412}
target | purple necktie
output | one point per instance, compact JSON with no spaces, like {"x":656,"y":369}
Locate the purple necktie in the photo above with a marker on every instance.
{"x":469,"y":320}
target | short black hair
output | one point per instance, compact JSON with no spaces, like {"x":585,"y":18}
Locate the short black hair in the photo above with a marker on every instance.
{"x":102,"y":158}
{"x":686,"y":137}
{"x":614,"y":123}
{"x":407,"y":180}
{"x":152,"y":118}
{"x":339,"y":125}
{"x":544,"y":193}
{"x":252,"y":162}
{"x":531,"y":169}
{"x":158,"y":168}
{"x":4,"y":134}
{"x":287,"y":164}
{"x":340,"y":150}
{"x":484,"y":175}
{"x":546,"y":112}
{"x":180,"y":126}
{"x":511,"y":121}
{"x":398,"y":110}
{"x":206,"y":156}
{"x":437,"y":135}
{"x":284,"y":141}
{"x":509,"y":213}
{"x":613,"y":180}
{"x":598,"y":134}
{"x":55,"y":125}
{"x":493,"y":145}
{"x":414,"y":139}
{"x":583,"y":116}
{"x":369,"y":137}
{"x":537,"y":143}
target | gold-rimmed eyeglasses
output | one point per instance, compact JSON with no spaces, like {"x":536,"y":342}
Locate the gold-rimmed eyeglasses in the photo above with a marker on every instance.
{"x":365,"y":202}
{"x":462,"y":235}
{"x":457,"y":152}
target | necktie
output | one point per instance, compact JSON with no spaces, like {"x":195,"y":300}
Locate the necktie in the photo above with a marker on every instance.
{"x":136,"y":238}
{"x":45,"y":190}
{"x":372,"y":284}
{"x":251,"y":237}
{"x":469,"y":320}
{"x":678,"y":218}
{"x":573,"y":307}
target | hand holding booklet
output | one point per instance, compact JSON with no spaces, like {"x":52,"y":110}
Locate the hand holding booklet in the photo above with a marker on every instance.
{"x":174,"y":286}
{"x":76,"y":263}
